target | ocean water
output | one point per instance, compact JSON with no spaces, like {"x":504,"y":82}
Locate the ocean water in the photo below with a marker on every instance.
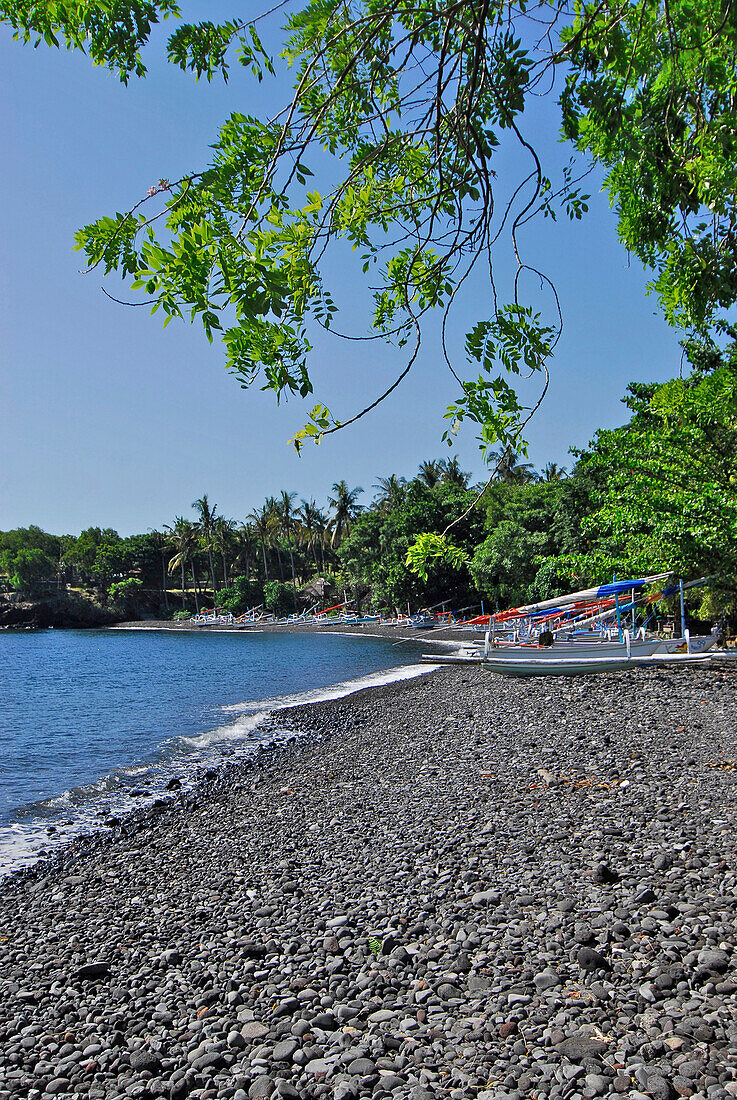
{"x":96,"y":723}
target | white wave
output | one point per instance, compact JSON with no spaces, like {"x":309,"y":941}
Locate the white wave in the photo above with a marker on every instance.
{"x":23,"y":844}
{"x":232,"y":731}
{"x":333,"y":691}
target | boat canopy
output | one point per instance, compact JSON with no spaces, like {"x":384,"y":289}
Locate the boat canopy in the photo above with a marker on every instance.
{"x":585,"y":596}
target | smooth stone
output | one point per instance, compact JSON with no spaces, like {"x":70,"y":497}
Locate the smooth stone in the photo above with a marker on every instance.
{"x":262,"y":1086}
{"x":589,"y":959}
{"x":546,"y":979}
{"x":254,"y":1030}
{"x":361,"y":1067}
{"x":578,"y":1047}
{"x":93,"y":970}
{"x":283,"y":1051}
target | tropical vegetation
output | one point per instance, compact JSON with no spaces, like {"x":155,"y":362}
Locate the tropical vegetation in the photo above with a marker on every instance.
{"x":658,"y":493}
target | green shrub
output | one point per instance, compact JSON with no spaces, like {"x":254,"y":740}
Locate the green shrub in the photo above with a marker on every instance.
{"x":279,"y":597}
{"x":241,"y":595}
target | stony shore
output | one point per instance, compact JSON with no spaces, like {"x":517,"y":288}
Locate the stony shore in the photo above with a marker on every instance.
{"x":460,"y":886}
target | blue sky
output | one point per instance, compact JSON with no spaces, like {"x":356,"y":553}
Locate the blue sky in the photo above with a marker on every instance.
{"x":108,"y":419}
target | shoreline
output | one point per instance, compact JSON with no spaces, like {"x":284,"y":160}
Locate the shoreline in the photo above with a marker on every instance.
{"x":459,"y":886}
{"x":249,"y":727}
{"x":366,"y":630}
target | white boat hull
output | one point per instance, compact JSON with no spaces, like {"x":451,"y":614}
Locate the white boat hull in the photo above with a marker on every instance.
{"x":640,"y":648}
{"x":585,"y":665}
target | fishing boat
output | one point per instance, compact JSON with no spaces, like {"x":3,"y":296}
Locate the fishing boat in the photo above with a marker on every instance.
{"x":586,"y":665}
{"x":580,"y":633}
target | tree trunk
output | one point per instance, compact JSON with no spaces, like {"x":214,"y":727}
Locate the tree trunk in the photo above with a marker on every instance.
{"x":212,"y":574}
{"x":184,"y":602}
{"x":225,"y":572}
{"x":278,"y":558}
{"x":294,"y":579}
{"x":196,"y":588}
{"x":164,"y":575}
{"x":266,"y":567}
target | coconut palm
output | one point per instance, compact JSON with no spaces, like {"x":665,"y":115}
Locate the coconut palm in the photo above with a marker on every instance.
{"x":222,"y":536}
{"x":206,"y":528}
{"x":183,"y":539}
{"x":309,"y":517}
{"x":314,"y":526}
{"x":272,"y":506}
{"x":452,"y":473}
{"x":262,"y":522}
{"x":287,"y":520}
{"x":345,"y":509}
{"x":391,"y":492}
{"x":553,"y":472}
{"x":245,"y":538}
{"x":430,"y":473}
{"x":510,"y":469}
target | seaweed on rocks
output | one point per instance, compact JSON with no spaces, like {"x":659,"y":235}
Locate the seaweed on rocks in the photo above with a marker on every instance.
{"x":458,"y":886}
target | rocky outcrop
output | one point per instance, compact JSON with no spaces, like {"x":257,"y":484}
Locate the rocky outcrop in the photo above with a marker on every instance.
{"x":57,"y":609}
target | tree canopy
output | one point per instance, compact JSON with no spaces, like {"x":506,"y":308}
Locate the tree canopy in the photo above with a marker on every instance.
{"x":412,"y":105}
{"x":667,"y":480}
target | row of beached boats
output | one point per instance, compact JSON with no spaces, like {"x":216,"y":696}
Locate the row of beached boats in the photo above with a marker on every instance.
{"x":593,"y":630}
{"x":339,"y":615}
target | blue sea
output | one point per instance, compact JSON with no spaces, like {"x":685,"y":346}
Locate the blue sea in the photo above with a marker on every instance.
{"x":96,"y":723}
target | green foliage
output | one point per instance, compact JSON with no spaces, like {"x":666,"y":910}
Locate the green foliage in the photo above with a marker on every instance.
{"x":374,"y":555}
{"x":651,"y":96}
{"x":31,"y":538}
{"x":29,"y":557}
{"x":429,"y":550}
{"x":99,"y":557}
{"x":278,"y":597}
{"x":122,"y":591}
{"x":111,"y":32}
{"x":27,"y":567}
{"x":241,"y":595}
{"x":668,"y":495}
{"x":181,"y":616}
{"x":414,"y":104}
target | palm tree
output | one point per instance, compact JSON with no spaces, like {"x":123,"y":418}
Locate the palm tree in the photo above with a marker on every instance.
{"x":314,"y":523}
{"x":391,"y":492}
{"x":430,"y":473}
{"x":222,"y":536}
{"x":263,"y":527}
{"x":272,"y":506}
{"x":345,"y":509}
{"x":182,"y":538}
{"x":553,"y":472}
{"x":286,"y":519}
{"x":307,"y":516}
{"x":452,"y":473}
{"x":510,"y":470}
{"x":206,"y":528}
{"x":244,"y":539}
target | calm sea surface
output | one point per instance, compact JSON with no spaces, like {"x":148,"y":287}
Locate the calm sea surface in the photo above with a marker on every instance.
{"x":93,"y":723}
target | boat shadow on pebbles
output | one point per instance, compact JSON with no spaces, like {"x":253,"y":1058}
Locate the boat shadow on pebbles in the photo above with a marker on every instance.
{"x":462,"y":886}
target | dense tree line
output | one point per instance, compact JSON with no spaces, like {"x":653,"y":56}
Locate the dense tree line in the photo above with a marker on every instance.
{"x":658,"y":493}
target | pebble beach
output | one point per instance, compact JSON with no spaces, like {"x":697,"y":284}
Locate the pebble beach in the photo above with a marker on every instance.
{"x":456,"y":886}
